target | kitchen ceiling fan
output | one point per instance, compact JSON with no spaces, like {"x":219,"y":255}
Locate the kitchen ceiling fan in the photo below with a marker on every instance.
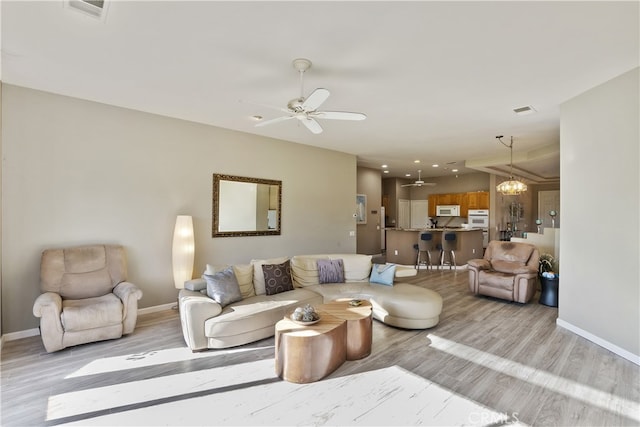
{"x":419,"y":182}
{"x":306,"y":109}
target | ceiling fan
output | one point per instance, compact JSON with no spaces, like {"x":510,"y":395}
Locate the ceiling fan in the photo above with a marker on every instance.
{"x":419,"y":182}
{"x":306,"y":109}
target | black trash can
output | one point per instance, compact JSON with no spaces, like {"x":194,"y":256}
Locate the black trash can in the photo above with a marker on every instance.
{"x":549,"y":292}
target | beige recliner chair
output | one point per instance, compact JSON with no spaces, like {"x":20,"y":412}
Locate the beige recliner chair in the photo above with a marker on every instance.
{"x":508,"y":270}
{"x":85,"y":297}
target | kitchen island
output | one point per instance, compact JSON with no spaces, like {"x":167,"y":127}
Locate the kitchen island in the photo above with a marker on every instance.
{"x":400,"y":244}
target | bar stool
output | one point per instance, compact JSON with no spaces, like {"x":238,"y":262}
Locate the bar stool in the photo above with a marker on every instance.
{"x":426,"y":244}
{"x":448,"y":246}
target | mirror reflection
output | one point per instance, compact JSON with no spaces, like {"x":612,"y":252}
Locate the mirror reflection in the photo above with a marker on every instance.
{"x":245,"y":206}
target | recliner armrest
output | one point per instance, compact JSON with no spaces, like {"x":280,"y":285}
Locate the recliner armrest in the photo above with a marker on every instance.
{"x":48,"y":301}
{"x":48,"y":306}
{"x":479,"y":264}
{"x":124,"y":289}
{"x":129,"y":294}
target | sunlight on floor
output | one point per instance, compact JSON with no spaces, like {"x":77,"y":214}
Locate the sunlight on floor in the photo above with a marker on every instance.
{"x":570,"y":388}
{"x":151,"y":358}
{"x":234,"y":395}
{"x":138,"y":392}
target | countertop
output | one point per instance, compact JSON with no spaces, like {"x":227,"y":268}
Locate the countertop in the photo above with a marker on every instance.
{"x":435,"y":229}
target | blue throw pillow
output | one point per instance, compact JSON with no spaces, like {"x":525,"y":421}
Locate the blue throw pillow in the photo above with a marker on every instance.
{"x":383,"y":274}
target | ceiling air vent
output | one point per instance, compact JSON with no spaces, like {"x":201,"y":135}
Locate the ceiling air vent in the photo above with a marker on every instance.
{"x":527,"y":109}
{"x":95,"y":8}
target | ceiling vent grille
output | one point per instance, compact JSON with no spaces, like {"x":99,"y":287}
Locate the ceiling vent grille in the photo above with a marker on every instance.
{"x":527,"y":109}
{"x":95,"y":8}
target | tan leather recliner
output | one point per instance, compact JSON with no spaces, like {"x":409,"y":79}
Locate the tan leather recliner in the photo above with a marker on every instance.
{"x":508,"y":270}
{"x":85,"y":297}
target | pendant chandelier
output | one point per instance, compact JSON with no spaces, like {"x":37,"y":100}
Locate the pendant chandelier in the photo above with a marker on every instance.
{"x":511,"y":187}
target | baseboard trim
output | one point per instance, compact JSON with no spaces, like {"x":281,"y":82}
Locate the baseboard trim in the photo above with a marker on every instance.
{"x":21,"y":334}
{"x":156,"y":308}
{"x":634,"y":358}
{"x":36,"y":331}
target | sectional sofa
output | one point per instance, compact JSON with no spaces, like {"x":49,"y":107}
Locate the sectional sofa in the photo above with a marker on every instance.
{"x":207,"y":324}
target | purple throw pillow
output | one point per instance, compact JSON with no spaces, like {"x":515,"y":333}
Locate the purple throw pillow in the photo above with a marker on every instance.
{"x":330,"y":271}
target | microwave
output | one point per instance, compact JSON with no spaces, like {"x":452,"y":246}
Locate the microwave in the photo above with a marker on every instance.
{"x":448,"y":210}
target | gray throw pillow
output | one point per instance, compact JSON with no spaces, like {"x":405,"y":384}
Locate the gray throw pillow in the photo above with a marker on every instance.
{"x":277,"y":278}
{"x":330,"y":271}
{"x":223,"y":287}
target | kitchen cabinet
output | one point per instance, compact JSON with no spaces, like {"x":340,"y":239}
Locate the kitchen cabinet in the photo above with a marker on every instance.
{"x":470,"y":200}
{"x":478,"y":200}
{"x":433,"y":201}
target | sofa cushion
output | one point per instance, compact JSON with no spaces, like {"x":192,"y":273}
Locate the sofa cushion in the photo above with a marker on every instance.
{"x":244,"y":276}
{"x":223,"y":287}
{"x":357,"y":267}
{"x":330,"y":271}
{"x":513,"y":267}
{"x":510,"y":251}
{"x":383,"y":274}
{"x":258,"y":275}
{"x":257,"y":312}
{"x":304,"y":269}
{"x":91,"y":313}
{"x":277,"y":278}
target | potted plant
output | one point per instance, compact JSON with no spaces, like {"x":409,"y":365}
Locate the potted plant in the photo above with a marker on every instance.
{"x":547,"y":266}
{"x":549,"y":280}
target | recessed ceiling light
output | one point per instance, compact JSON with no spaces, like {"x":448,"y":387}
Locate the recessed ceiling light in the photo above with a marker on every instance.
{"x":407,"y":174}
{"x":385,"y":166}
{"x":523,"y":111}
{"x":385,"y":171}
{"x":416,"y":161}
{"x":454,"y":170}
{"x":435,"y":165}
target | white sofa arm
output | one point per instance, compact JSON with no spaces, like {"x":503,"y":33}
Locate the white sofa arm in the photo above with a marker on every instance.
{"x":195,"y":308}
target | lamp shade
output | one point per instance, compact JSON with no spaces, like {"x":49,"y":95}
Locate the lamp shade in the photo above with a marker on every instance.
{"x":183,"y":250}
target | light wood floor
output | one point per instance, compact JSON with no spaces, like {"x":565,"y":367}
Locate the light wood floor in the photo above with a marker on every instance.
{"x":508,"y":357}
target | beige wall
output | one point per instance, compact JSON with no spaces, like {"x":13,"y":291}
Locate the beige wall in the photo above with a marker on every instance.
{"x":77,"y":172}
{"x":369,"y":182}
{"x":600,"y":281}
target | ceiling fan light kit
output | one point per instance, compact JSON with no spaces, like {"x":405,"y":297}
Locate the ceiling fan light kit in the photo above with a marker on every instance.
{"x":306,"y":109}
{"x":511,"y":187}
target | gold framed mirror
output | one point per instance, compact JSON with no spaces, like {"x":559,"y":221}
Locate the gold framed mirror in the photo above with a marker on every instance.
{"x":245,"y":206}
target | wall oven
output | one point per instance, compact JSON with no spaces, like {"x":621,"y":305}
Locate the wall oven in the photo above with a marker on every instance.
{"x":479,"y":218}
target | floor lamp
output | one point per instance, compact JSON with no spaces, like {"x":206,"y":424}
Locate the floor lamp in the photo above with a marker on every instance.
{"x":183,"y":250}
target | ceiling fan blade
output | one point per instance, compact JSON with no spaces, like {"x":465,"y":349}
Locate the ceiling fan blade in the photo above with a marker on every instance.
{"x":312,"y":125}
{"x":272,"y":107}
{"x":339,"y":115}
{"x":316,"y":99}
{"x":276,"y":120}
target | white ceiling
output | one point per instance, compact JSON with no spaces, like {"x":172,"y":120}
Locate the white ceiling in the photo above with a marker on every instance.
{"x":437,"y":80}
